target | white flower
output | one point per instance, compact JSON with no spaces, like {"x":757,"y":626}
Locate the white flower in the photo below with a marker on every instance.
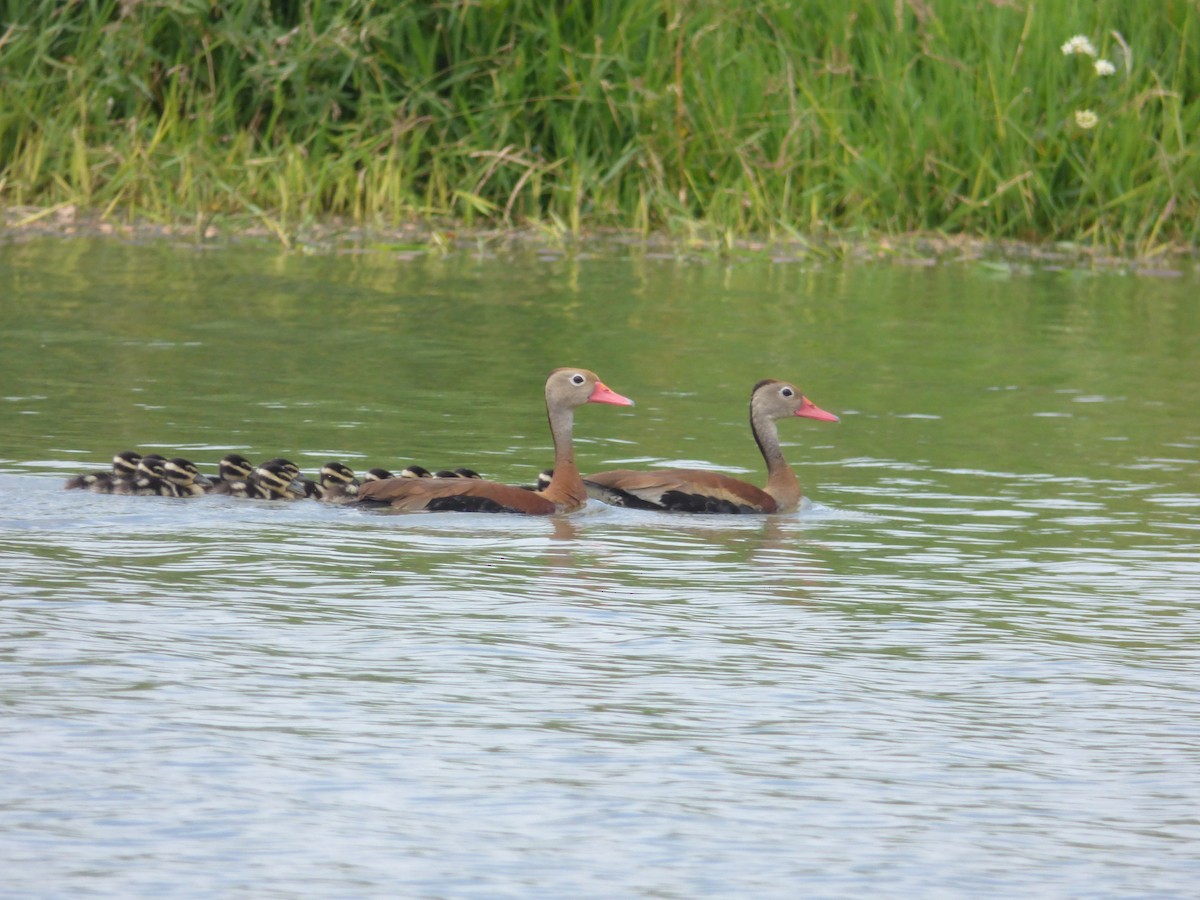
{"x":1085,"y":118}
{"x":1078,"y":44}
{"x":1104,"y":67}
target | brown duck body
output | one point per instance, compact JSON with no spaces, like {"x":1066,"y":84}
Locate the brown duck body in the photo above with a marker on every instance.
{"x":682,"y":490}
{"x":700,"y":491}
{"x":566,"y":389}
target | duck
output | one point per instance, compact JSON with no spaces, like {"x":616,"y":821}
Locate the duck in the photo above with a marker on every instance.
{"x":279,"y":479}
{"x":275,"y":479}
{"x":699,"y":491}
{"x":184,"y":478}
{"x":542,"y":481}
{"x":377,"y":474}
{"x":566,"y":390}
{"x":149,"y":479}
{"x":233,"y":469}
{"x":456,"y":473}
{"x":415,"y":471}
{"x":97,"y":482}
{"x":124,"y":468}
{"x":337,"y":484}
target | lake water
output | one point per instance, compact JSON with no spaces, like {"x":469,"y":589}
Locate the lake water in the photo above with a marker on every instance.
{"x":969,"y":666}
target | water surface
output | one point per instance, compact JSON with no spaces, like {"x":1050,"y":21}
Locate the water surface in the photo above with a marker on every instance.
{"x":967,"y":667}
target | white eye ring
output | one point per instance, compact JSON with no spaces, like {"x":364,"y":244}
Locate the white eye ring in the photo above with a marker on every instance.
{"x":786,"y":392}
{"x":577,"y":379}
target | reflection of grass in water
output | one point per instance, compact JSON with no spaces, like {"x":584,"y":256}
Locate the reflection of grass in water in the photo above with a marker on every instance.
{"x":708,"y":120}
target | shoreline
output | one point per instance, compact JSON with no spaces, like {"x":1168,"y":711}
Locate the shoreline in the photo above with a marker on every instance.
{"x":411,"y":240}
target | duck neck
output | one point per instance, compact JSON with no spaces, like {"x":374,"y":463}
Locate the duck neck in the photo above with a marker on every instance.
{"x":566,"y":488}
{"x":782,"y":483}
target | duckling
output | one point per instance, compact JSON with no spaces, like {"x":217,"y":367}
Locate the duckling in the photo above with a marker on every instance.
{"x":125,"y":464}
{"x":276,"y":479}
{"x":232,"y":469}
{"x":457,"y":473}
{"x":149,"y":480}
{"x":415,"y":471}
{"x":124,"y":468}
{"x":96,"y":482}
{"x":185,"y":478}
{"x":338,"y":483}
{"x":543,"y":481}
{"x":376,"y":475}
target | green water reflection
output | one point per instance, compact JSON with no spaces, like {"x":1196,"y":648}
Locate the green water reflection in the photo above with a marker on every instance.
{"x":440,"y":359}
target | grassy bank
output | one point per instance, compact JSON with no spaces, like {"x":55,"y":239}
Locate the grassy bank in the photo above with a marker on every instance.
{"x":769,"y":117}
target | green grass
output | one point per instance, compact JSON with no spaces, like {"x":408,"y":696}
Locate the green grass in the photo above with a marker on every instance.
{"x":769,"y":118}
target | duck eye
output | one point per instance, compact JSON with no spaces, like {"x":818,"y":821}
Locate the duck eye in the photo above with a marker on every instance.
{"x":577,"y":379}
{"x":786,"y":392}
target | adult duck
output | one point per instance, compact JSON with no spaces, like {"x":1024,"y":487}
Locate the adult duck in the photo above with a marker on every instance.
{"x":566,"y":390}
{"x":699,"y":491}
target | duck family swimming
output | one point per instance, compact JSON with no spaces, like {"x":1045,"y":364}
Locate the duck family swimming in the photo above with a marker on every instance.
{"x":561,"y":489}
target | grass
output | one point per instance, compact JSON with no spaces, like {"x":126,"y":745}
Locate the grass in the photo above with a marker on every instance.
{"x":751,"y":117}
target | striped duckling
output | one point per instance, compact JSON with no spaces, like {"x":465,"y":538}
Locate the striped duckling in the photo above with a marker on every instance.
{"x":149,"y":480}
{"x":184,"y":478}
{"x":124,"y":469}
{"x":337,"y":483}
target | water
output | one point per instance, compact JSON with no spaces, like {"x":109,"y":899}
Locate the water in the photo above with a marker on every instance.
{"x":968,"y":667}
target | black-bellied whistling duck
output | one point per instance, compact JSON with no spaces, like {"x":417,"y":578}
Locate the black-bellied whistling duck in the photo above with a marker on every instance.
{"x":338,"y":483}
{"x":276,"y":479}
{"x":543,"y":481}
{"x":149,"y":480}
{"x":698,"y":491}
{"x":97,"y":482}
{"x":566,"y":389}
{"x":184,"y":478}
{"x":121,"y":476}
{"x":415,"y":471}
{"x":377,"y":474}
{"x":232,"y":472}
{"x":460,"y":472}
{"x":234,"y":467}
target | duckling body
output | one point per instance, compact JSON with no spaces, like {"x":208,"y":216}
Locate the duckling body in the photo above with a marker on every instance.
{"x":124,"y":469}
{"x":96,"y":482}
{"x":276,"y":479}
{"x":338,"y":483}
{"x":149,"y":479}
{"x":232,"y":469}
{"x":184,"y":478}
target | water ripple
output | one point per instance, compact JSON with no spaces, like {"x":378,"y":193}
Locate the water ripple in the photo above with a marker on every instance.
{"x":904,"y":677}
